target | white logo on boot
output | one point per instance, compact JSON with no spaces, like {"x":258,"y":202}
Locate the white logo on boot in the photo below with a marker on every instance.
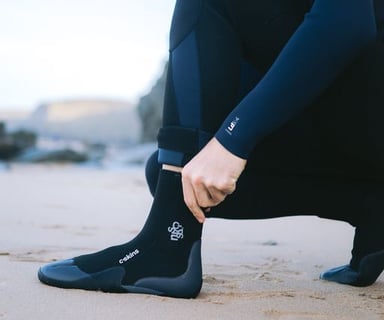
{"x":176,"y":231}
{"x":129,"y":256}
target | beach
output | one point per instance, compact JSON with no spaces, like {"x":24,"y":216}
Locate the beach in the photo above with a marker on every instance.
{"x":259,"y":269}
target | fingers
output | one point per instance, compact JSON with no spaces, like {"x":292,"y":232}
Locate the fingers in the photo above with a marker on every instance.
{"x":191,"y":201}
{"x":199,"y":198}
{"x":207,"y":197}
{"x":214,"y":196}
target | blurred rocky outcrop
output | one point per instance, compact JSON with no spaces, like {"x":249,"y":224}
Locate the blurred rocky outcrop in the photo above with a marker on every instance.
{"x":100,"y":132}
{"x":56,"y":156}
{"x":13,"y":144}
{"x":94,"y":121}
{"x":150,"y":109}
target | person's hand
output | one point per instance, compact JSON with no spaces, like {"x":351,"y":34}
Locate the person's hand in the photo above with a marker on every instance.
{"x":209,"y":177}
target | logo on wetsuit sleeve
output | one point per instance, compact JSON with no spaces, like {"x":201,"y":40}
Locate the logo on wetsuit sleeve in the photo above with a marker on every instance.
{"x":232,"y":125}
{"x":176,"y":231}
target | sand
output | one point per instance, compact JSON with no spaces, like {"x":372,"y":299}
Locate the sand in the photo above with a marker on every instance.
{"x":265,"y":269}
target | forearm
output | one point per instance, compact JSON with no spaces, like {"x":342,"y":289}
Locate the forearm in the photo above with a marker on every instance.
{"x":331,"y":36}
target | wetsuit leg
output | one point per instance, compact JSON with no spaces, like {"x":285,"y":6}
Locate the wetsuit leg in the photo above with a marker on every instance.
{"x":363,"y":140}
{"x":203,"y":82}
{"x":327,"y":160}
{"x":323,"y":162}
{"x":308,"y":166}
{"x":207,"y":76}
{"x":336,"y":170}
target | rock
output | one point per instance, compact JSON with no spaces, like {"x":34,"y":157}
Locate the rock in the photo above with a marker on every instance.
{"x":150,"y":109}
{"x":11,"y":145}
{"x":2,"y":130}
{"x":8,"y":150}
{"x":270,"y":243}
{"x":23,"y":139}
{"x":57,"y":156}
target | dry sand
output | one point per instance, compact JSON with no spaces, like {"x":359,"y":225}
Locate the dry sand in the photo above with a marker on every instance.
{"x":252,"y":269}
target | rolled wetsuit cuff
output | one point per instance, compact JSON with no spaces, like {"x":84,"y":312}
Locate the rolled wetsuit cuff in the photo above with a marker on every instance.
{"x":178,"y":145}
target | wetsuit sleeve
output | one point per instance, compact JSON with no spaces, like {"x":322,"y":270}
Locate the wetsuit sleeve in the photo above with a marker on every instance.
{"x":331,"y":35}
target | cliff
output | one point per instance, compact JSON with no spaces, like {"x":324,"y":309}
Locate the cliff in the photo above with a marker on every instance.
{"x":150,"y":109}
{"x":93,"y":121}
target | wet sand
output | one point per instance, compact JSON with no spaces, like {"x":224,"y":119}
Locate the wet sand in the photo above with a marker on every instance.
{"x":265,"y":269}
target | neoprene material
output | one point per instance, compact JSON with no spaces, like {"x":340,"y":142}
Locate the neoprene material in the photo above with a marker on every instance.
{"x":369,"y":269}
{"x":308,"y":119}
{"x":163,"y":259}
{"x":332,"y":34}
{"x":367,"y":261}
{"x":261,"y":62}
{"x":66,"y":274}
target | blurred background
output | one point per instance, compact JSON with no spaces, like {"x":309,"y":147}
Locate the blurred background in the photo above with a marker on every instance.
{"x":81,"y":81}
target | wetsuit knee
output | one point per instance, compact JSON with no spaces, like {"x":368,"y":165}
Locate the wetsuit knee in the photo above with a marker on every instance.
{"x":152,"y":169}
{"x":185,"y":16}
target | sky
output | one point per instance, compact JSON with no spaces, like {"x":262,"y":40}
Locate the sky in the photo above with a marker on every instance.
{"x":64,"y":49}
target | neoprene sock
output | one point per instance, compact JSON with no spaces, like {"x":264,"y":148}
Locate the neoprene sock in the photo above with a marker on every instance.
{"x":163,"y":259}
{"x":367,"y":261}
{"x":152,"y":169}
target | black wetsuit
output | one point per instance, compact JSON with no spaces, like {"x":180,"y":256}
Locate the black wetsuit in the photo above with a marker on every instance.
{"x":294,"y":86}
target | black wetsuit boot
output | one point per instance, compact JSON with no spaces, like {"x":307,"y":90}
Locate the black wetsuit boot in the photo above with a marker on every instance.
{"x":163,"y":259}
{"x":367,"y":261}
